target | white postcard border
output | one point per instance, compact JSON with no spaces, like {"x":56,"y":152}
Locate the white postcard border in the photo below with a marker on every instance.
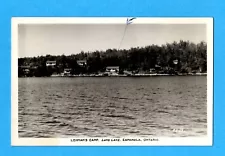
{"x":150,"y":141}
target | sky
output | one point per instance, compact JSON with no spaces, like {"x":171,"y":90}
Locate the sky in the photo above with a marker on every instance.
{"x":67,"y":39}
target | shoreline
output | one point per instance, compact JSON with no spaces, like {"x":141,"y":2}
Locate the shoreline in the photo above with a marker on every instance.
{"x":135,"y":75}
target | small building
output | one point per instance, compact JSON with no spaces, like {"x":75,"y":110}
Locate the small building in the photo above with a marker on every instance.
{"x":51,"y":63}
{"x":67,"y":71}
{"x":175,"y":61}
{"x":25,"y":69}
{"x":34,"y":67}
{"x":112,"y":69}
{"x":200,"y":69}
{"x":152,"y":70}
{"x":82,"y":62}
{"x":158,"y":68}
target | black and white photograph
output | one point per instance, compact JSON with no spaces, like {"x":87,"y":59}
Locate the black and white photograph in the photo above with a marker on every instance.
{"x":112,"y":81}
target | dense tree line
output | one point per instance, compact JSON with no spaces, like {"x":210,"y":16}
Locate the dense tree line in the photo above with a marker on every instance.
{"x":191,"y":58}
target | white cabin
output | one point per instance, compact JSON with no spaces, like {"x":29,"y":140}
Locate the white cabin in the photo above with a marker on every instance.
{"x":51,"y":63}
{"x":112,"y":70}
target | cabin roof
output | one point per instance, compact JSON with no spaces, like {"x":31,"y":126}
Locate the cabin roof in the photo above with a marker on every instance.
{"x":24,"y":66}
{"x":80,"y":61}
{"x":112,"y":67}
{"x":50,"y":61}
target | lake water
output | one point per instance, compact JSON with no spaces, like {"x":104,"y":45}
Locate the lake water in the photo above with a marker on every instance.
{"x":113,"y":106}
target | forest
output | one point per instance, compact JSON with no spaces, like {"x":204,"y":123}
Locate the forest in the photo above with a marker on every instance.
{"x":190,"y":57}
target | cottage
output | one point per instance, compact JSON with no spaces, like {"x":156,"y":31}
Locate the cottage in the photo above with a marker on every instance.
{"x":67,"y":71}
{"x":158,"y":68}
{"x":25,"y":69}
{"x":152,"y":70}
{"x":34,"y":67}
{"x":82,"y":62}
{"x":51,"y":63}
{"x":112,"y":70}
{"x":175,"y":61}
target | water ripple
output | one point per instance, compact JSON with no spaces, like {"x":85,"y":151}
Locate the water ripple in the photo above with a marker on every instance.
{"x":112,"y":107}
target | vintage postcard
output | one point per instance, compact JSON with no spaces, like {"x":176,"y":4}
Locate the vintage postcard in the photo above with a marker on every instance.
{"x":127,"y":81}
